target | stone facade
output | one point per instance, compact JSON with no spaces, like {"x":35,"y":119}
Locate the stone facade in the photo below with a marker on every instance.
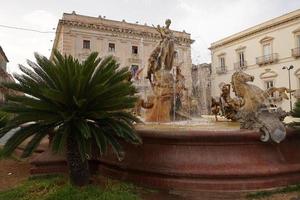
{"x":131,"y":44}
{"x":3,"y":59}
{"x":261,"y":51}
{"x":201,"y":87}
{"x":4,"y":76}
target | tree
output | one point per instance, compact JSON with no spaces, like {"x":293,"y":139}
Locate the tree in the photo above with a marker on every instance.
{"x":296,"y":114}
{"x":4,"y":118}
{"x":79,"y":103}
{"x":296,"y":110}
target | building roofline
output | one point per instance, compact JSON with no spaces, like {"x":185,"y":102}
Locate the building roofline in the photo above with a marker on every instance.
{"x":97,"y":23}
{"x":120,"y":22}
{"x":57,"y":33}
{"x":291,"y":16}
{"x":3,"y":54}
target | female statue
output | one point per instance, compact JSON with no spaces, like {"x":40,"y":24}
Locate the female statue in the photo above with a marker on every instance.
{"x":163,"y":55}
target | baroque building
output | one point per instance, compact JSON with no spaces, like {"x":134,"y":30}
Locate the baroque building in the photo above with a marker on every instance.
{"x":130,"y":43}
{"x":201,"y":87}
{"x":261,"y":51}
{"x":3,"y":59}
{"x":4,"y":76}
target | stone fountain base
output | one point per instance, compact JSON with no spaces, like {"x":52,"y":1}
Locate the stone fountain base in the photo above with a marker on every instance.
{"x":208,"y":160}
{"x":205,"y":160}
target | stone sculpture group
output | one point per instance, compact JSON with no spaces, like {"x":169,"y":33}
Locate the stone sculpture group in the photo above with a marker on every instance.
{"x":252,"y":106}
{"x":170,"y":100}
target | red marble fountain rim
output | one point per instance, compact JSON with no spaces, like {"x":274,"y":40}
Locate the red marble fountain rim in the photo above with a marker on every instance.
{"x":206,"y":135}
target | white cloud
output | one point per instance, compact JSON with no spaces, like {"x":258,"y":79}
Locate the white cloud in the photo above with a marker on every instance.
{"x":41,"y":20}
{"x":20,"y":45}
{"x":207,"y":21}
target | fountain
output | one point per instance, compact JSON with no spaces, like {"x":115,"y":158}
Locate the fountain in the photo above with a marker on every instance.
{"x":252,"y":150}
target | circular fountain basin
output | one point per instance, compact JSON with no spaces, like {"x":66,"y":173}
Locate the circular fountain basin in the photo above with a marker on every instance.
{"x":210,"y":156}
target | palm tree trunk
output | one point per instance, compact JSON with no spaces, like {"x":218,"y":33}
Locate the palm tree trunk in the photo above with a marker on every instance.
{"x":78,"y":169}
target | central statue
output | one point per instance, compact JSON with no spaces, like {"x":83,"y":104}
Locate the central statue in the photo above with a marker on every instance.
{"x":166,"y":86}
{"x":163,"y":55}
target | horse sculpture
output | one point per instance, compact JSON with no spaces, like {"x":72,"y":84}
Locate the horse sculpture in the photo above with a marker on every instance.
{"x":253,"y":97}
{"x":254,"y":111}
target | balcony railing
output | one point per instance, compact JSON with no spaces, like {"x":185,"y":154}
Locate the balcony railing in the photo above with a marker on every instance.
{"x":221,"y":70}
{"x":296,"y":52}
{"x":240,"y":65}
{"x":134,"y":55}
{"x":267,"y":59}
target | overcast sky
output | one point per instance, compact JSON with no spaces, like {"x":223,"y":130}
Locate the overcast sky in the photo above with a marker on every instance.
{"x":206,"y":20}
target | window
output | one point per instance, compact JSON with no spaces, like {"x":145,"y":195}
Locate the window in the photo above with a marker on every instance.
{"x":267,"y":49}
{"x":268,"y":85}
{"x":111,"y":47}
{"x":298,"y":41}
{"x":134,"y":50}
{"x":222,"y":62}
{"x":267,"y":52}
{"x":241,"y":59}
{"x":86,"y":44}
{"x":176,"y":54}
{"x":134,"y":69}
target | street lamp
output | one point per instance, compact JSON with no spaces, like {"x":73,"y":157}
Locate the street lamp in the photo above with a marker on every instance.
{"x":289,"y":68}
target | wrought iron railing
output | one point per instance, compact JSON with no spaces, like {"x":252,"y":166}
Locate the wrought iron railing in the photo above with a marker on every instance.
{"x":221,"y":70}
{"x":296,"y":52}
{"x":240,"y":65}
{"x":267,"y":59}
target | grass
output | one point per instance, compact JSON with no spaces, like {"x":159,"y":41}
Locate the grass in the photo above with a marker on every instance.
{"x":57,"y":188}
{"x":1,"y":153}
{"x":263,"y":194}
{"x":7,"y":157}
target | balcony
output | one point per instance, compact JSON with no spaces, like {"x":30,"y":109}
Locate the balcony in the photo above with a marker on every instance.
{"x":267,"y":59}
{"x":134,"y":58}
{"x":240,"y":65}
{"x":296,"y":52}
{"x":221,"y":70}
{"x":134,"y":55}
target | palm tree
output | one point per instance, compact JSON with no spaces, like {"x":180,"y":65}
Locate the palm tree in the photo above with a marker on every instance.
{"x":4,"y":117}
{"x":81,"y":104}
{"x":296,"y":113}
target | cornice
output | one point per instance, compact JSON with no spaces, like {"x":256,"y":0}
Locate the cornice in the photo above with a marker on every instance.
{"x":119,"y":30}
{"x":268,"y":73}
{"x":256,"y":31}
{"x":221,"y":54}
{"x":297,"y":30}
{"x":266,"y":39}
{"x":240,"y":48}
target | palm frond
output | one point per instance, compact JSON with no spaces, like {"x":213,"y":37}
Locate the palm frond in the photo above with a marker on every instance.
{"x":85,"y":101}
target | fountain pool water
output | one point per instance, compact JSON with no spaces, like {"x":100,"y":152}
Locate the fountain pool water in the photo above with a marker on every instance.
{"x":202,"y":123}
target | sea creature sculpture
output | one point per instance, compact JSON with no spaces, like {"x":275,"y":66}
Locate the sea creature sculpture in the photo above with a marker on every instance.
{"x":254,"y":112}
